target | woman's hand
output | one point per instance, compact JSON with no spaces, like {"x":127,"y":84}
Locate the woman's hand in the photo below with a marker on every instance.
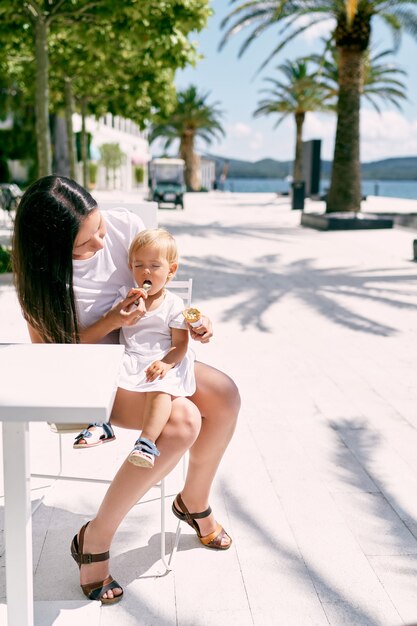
{"x":138,"y":292}
{"x":202,"y":333}
{"x":128,"y":311}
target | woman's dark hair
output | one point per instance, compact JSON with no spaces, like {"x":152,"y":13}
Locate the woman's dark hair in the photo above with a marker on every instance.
{"x":47,"y":222}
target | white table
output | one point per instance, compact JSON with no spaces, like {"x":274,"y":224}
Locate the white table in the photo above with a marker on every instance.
{"x":43,"y":382}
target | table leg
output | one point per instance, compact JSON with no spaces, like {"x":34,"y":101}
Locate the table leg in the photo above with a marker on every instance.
{"x":18,"y":524}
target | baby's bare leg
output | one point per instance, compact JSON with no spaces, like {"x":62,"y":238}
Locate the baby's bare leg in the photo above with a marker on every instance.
{"x":156,"y":414}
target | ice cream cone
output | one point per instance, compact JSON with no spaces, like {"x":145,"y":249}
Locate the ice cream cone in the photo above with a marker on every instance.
{"x":192,"y":316}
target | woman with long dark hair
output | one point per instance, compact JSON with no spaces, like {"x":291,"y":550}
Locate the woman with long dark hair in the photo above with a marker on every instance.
{"x":69,"y":261}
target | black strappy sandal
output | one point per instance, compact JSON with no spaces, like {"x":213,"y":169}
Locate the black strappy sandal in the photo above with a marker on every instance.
{"x":94,"y":591}
{"x":214,"y":539}
{"x":91,"y":438}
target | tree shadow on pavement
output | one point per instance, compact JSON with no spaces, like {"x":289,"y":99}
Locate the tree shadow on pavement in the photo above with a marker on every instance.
{"x":295,"y":563}
{"x":265,"y":281}
{"x":270,"y":232}
{"x":387,"y":516}
{"x":357,"y":439}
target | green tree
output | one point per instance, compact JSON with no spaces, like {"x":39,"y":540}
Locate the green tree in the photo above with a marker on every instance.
{"x":139,"y":174}
{"x":351,"y":36}
{"x":17,"y":97}
{"x":192,"y":117}
{"x":35,"y":18}
{"x":135,"y":54}
{"x":142,"y":44}
{"x":299,"y":93}
{"x":5,"y":260}
{"x":92,"y":174}
{"x":112,"y":157}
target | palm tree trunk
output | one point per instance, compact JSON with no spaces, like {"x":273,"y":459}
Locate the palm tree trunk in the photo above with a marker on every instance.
{"x":43,"y":133}
{"x":298,"y":161}
{"x":192,"y":161}
{"x":84,"y":143}
{"x":196,"y":175}
{"x":69,"y":108}
{"x":345,"y":188}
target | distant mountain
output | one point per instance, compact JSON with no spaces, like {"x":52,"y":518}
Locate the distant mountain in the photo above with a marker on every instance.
{"x":266,"y":168}
{"x":403,"y":168}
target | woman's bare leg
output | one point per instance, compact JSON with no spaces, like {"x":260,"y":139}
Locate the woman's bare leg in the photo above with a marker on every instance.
{"x":131,"y":482}
{"x":218,"y":401}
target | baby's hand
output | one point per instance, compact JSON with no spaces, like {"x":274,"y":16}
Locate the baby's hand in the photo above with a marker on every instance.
{"x":158,"y":369}
{"x":202,"y":333}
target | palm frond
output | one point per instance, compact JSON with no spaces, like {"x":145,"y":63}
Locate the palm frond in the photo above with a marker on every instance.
{"x":380,"y":79}
{"x":372,"y":101}
{"x":298,"y":92}
{"x":407,"y":19}
{"x":395,"y":27}
{"x":286,"y":40}
{"x":193,"y":114}
{"x":247,"y":19}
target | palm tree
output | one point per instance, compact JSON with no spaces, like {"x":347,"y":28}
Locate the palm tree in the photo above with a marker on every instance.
{"x":380,"y":80}
{"x":193,"y":117}
{"x":300,"y":93}
{"x":351,"y":36}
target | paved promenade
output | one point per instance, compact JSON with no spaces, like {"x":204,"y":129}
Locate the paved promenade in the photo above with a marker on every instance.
{"x":318,"y":488}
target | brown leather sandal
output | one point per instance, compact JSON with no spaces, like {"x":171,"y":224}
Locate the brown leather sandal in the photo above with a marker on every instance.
{"x":94,"y":591}
{"x":214,"y":539}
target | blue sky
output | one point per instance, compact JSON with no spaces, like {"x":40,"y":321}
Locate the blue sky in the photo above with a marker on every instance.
{"x":233,"y":83}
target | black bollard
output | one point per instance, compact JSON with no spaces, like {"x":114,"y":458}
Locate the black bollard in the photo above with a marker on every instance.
{"x":298,"y":194}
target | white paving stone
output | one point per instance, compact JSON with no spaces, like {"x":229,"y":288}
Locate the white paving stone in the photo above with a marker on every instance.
{"x":398,"y":574}
{"x":67,"y":613}
{"x":375,"y":525}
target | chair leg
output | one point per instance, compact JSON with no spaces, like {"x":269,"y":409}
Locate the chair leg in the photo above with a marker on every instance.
{"x":60,"y":455}
{"x":175,"y":547}
{"x":55,"y":476}
{"x":163,"y":529}
{"x":168,"y":565}
{"x":178,"y":532}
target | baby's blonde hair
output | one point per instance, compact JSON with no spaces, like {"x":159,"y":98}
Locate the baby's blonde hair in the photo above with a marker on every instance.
{"x":158,"y":237}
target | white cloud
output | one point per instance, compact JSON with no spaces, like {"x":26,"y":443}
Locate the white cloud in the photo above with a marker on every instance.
{"x":239,"y":130}
{"x":388,"y":134}
{"x":321,"y":29}
{"x":243,"y":141}
{"x":256,"y":142}
{"x":319,"y":126}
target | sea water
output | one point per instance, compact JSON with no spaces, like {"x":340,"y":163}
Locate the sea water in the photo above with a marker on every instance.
{"x":389,"y":188}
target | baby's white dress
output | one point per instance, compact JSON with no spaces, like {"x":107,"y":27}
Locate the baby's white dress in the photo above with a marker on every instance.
{"x":149,"y":340}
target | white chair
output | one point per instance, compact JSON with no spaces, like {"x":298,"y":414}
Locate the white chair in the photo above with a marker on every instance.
{"x":182,"y":288}
{"x":147,"y":211}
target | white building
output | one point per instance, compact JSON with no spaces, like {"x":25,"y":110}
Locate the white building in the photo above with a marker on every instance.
{"x":207,"y":173}
{"x":132,"y":141}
